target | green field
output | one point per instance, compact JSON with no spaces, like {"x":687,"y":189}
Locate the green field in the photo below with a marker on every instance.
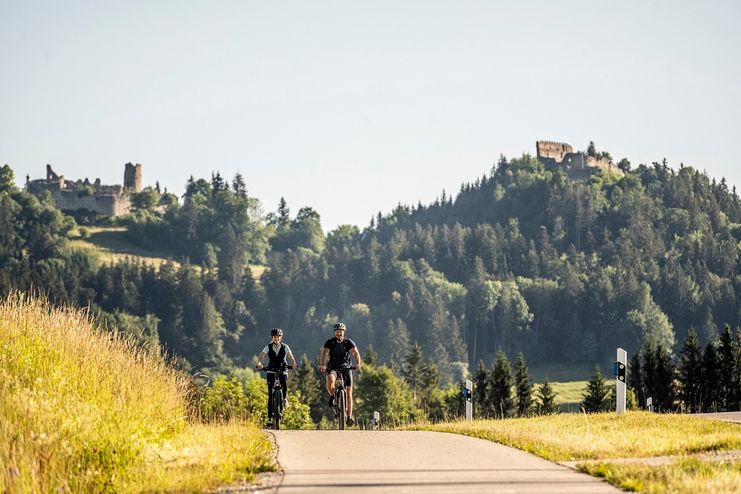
{"x":110,"y":245}
{"x":569,"y":394}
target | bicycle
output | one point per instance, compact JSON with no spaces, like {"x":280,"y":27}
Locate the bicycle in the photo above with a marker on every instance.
{"x":276,"y":397}
{"x":340,"y":398}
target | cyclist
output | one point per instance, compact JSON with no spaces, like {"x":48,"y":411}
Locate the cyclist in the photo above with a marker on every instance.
{"x":277,"y":353}
{"x":336,"y":358}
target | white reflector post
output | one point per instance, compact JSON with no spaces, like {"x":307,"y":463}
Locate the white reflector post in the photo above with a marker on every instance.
{"x":469,"y":401}
{"x":622,"y":366}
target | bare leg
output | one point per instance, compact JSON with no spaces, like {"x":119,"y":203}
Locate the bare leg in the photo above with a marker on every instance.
{"x":330,"y":383}
{"x":349,"y":402}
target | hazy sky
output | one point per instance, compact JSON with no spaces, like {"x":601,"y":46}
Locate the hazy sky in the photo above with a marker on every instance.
{"x":351,"y":107}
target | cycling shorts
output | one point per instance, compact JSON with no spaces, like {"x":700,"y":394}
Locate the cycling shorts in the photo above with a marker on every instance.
{"x":346,"y":375}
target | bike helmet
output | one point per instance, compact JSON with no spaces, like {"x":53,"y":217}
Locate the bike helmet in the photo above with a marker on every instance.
{"x":339,"y":326}
{"x":276,"y":332}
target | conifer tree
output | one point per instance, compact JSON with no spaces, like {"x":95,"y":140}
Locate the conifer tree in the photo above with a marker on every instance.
{"x":523,"y":387}
{"x":728,"y":373}
{"x":431,"y":404}
{"x":284,"y":215}
{"x":370,"y":357}
{"x":546,"y":398}
{"x":649,"y":373}
{"x":710,"y":379}
{"x":502,"y":402}
{"x":430,"y":376}
{"x":412,"y":370}
{"x":737,"y":383}
{"x":310,"y":386}
{"x":664,"y":384}
{"x":635,"y":379}
{"x":397,"y":339}
{"x":597,"y":396}
{"x":690,"y":373}
{"x":480,"y":391}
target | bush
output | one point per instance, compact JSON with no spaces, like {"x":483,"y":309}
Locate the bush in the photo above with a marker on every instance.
{"x":224,"y":400}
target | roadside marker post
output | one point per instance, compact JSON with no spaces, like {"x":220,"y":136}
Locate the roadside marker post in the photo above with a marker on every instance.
{"x":467,"y":392}
{"x":619,"y":370}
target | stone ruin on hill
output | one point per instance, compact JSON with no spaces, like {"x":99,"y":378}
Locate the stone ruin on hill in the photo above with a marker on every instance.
{"x":106,"y":200}
{"x":577,"y":165}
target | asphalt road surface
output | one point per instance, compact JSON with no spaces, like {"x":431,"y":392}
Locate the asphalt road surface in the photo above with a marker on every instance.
{"x":724,"y":416}
{"x":417,"y":462}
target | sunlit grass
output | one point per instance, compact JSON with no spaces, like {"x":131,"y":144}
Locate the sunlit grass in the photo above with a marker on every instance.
{"x":604,"y":435}
{"x":569,"y":394}
{"x":109,"y":245}
{"x":682,"y":476}
{"x":202,"y":458}
{"x":86,"y":410}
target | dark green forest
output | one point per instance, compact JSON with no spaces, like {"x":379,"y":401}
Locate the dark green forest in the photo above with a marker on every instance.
{"x":521,"y":260}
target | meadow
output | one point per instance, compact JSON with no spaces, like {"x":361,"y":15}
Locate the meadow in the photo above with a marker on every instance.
{"x":86,"y":410}
{"x":110,"y":245}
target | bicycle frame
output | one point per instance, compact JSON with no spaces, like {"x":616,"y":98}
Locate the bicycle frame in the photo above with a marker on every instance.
{"x":340,"y":399}
{"x":277,"y":397}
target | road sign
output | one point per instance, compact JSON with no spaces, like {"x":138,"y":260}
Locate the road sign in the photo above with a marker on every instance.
{"x":619,"y":371}
{"x":468,"y":392}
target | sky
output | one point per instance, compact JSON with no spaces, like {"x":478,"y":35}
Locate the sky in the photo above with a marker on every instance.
{"x":352,"y":107}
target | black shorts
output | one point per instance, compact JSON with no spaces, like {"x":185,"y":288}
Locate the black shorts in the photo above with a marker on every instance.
{"x":346,"y":375}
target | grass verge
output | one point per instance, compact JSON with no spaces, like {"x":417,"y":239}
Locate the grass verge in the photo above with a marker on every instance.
{"x":569,"y":437}
{"x":682,"y":476}
{"x":86,"y":410}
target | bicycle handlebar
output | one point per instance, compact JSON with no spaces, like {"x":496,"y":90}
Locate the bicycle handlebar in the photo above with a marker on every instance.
{"x":327,"y":370}
{"x":265,"y":369}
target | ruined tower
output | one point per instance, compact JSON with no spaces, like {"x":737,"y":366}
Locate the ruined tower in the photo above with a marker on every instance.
{"x":133,"y":177}
{"x":555,"y":150}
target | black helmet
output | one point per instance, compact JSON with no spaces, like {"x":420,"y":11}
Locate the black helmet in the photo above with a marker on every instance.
{"x":340,"y":326}
{"x":276,"y":332}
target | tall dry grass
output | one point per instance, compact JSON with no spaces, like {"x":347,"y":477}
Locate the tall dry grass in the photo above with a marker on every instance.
{"x":78,"y":405}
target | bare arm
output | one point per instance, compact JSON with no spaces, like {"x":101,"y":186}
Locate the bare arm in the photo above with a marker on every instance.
{"x":259,"y":359}
{"x":290,"y":357}
{"x":356,"y":356}
{"x":323,"y":359}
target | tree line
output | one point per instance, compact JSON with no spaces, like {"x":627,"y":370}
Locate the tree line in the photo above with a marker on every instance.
{"x":522,"y":259}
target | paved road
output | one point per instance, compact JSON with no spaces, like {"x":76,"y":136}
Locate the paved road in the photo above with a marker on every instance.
{"x":724,"y":416}
{"x":417,"y":462}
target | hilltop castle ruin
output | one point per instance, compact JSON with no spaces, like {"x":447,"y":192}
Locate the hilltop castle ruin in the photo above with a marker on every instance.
{"x":577,"y":166}
{"x":107,"y":200}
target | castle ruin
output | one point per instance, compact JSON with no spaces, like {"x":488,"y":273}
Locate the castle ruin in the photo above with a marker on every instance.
{"x":106,"y":200}
{"x":577,"y":165}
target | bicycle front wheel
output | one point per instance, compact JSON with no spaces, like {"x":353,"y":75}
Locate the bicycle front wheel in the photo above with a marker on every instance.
{"x":341,"y":409}
{"x":277,"y":408}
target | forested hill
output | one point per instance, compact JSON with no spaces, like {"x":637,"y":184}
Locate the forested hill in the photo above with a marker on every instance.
{"x":523,"y":259}
{"x":526,"y":260}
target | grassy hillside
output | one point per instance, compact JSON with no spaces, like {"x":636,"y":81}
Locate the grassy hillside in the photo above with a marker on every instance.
{"x":83,"y":410}
{"x":110,"y":244}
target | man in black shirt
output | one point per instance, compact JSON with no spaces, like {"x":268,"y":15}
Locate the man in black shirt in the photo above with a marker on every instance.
{"x":336,"y":358}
